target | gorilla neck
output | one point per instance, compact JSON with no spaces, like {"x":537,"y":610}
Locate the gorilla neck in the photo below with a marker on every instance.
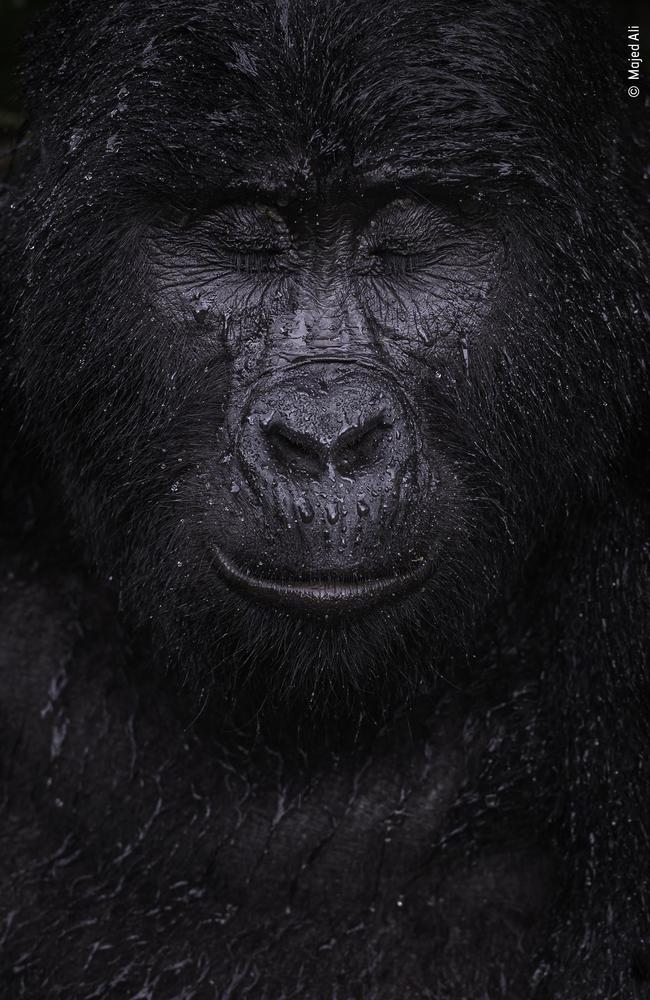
{"x":94,"y":728}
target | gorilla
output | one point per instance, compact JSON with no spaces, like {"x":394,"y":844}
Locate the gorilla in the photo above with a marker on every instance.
{"x":325,"y":551}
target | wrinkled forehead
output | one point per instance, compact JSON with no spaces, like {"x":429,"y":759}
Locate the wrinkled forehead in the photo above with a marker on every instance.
{"x":309,"y":93}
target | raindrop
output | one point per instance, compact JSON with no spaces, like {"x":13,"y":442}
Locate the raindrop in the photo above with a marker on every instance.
{"x":266,"y":418}
{"x":332,"y":511}
{"x":201,"y":311}
{"x":362,"y":508}
{"x":235,"y":488}
{"x":305,"y":510}
{"x":463,"y":344}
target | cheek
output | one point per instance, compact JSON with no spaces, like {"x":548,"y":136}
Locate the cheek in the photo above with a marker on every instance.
{"x":227,"y":318}
{"x":426,"y":326}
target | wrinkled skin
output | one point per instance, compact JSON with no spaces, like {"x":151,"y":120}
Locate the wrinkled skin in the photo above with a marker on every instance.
{"x":325,"y":613}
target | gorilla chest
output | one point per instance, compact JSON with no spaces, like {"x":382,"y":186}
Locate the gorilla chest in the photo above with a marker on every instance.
{"x":369,"y":871}
{"x":402,"y":838}
{"x":162,"y":860}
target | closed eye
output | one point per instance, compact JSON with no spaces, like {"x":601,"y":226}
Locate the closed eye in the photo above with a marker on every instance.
{"x":248,"y":239}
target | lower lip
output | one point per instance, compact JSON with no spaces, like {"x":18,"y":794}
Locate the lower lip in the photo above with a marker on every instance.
{"x":322,"y":596}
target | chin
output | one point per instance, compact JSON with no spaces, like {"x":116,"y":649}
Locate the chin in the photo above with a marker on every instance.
{"x":305,"y":650}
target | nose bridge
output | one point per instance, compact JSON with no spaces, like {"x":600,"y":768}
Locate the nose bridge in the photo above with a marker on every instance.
{"x":326,"y":318}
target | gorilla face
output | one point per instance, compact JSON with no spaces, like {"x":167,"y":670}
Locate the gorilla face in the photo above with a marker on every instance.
{"x":326,"y":489}
{"x":308,"y":331}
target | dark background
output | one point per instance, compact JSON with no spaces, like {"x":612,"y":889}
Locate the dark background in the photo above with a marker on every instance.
{"x":15,"y":16}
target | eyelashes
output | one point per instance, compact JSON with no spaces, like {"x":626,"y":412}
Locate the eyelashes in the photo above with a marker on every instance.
{"x":401,"y":262}
{"x":254,"y":260}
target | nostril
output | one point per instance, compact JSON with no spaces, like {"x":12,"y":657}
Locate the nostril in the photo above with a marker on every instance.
{"x":358,"y":445}
{"x":299,"y":452}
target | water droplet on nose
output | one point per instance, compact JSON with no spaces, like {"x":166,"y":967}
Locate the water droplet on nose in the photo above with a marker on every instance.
{"x":332,"y":512}
{"x":362,"y":508}
{"x":305,"y":510}
{"x":266,"y":418}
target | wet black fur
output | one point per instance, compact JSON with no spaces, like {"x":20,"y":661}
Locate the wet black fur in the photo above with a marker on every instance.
{"x":155,"y":845}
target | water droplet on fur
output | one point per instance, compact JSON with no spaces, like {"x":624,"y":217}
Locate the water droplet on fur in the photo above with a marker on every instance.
{"x":201,"y":311}
{"x":362,"y":508}
{"x":235,"y":487}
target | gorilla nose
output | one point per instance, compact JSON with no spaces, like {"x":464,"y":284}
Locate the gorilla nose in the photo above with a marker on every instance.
{"x":315,"y":425}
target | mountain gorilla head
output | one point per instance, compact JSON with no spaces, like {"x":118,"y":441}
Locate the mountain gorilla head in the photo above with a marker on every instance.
{"x":317,"y":319}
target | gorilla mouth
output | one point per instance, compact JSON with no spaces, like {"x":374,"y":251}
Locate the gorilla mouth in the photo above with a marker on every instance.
{"x":323,"y":595}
